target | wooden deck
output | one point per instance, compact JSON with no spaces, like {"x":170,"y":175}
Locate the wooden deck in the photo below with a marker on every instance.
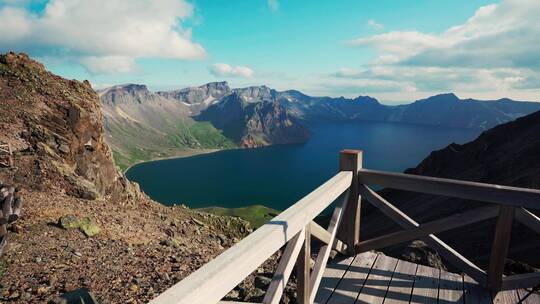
{"x":374,"y":278}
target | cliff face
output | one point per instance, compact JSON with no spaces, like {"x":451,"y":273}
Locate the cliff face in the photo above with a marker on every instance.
{"x":270,"y":123}
{"x":58,"y":127}
{"x":254,"y":123}
{"x":205,"y":94}
{"x":507,"y":155}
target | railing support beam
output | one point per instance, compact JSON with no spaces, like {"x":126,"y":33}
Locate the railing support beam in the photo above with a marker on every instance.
{"x":303,"y":270}
{"x":499,"y":249}
{"x":351,"y":160}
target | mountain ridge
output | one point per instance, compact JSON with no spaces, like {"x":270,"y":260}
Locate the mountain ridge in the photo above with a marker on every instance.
{"x":144,"y":125}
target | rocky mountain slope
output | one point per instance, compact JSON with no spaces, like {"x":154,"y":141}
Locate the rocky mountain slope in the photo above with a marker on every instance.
{"x":142,"y":125}
{"x":254,"y":124}
{"x":67,"y":177}
{"x":507,"y":155}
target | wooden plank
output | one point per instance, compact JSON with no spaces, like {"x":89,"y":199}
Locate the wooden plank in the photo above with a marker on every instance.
{"x":228,"y":269}
{"x":303,"y":269}
{"x":400,"y":289}
{"x":506,"y":195}
{"x":474,"y":293}
{"x":506,"y":297}
{"x":524,"y":280}
{"x":376,"y":284}
{"x":426,"y":285}
{"x":349,"y":231}
{"x":324,"y":252}
{"x":284,"y":269}
{"x":528,"y":219}
{"x":529,"y":296}
{"x":499,"y":249}
{"x":434,"y":242}
{"x":333,"y":274}
{"x":450,"y":288}
{"x":448,"y":223}
{"x":322,"y":235}
{"x":350,"y":285}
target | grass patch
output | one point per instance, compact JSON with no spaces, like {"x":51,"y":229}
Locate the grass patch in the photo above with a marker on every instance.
{"x":124,"y":160}
{"x":200,"y":134}
{"x":256,"y":215}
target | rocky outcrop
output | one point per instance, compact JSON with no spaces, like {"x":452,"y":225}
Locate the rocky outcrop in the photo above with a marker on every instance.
{"x":505,"y":155}
{"x":56,"y":129}
{"x":205,"y":94}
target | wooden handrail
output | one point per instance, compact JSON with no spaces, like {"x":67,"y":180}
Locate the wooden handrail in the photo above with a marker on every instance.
{"x":228,"y":269}
{"x":489,"y":193}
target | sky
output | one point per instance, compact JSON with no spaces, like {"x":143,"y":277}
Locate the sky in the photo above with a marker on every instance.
{"x":396,"y":51}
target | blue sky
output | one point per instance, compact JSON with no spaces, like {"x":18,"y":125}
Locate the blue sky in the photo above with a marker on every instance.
{"x":393,"y":50}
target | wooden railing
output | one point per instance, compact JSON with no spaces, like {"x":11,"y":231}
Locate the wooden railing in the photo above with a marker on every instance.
{"x":295,"y":226}
{"x":6,"y":158}
{"x":510,"y":201}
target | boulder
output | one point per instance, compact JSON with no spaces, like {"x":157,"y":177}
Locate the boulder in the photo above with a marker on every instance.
{"x":418,"y":252}
{"x":85,"y":224}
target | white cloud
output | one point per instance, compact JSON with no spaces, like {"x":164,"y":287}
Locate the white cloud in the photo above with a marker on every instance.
{"x":223,"y":69}
{"x":273,"y":5}
{"x":494,"y":50}
{"x":375,"y":25}
{"x":102,"y":35}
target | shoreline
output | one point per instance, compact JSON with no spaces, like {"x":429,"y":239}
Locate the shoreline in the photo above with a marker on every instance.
{"x":181,"y":154}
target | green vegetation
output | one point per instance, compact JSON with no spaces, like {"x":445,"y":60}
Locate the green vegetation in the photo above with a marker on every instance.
{"x":197,"y":135}
{"x":256,"y":215}
{"x":200,"y":135}
{"x":124,"y":160}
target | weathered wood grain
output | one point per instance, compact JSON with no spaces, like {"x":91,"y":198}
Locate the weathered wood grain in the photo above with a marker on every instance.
{"x":333,"y":275}
{"x":350,"y":285}
{"x":490,"y":193}
{"x":474,"y":293}
{"x":323,"y":235}
{"x":303,"y":270}
{"x":349,"y":231}
{"x":284,"y":269}
{"x":376,"y":284}
{"x":426,"y":285}
{"x":450,"y":288}
{"x":400,"y":289}
{"x":324,"y":252}
{"x":499,"y":248}
{"x":434,"y":242}
{"x":454,"y":221}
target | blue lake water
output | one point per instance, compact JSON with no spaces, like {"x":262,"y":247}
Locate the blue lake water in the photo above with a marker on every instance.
{"x":278,"y":176}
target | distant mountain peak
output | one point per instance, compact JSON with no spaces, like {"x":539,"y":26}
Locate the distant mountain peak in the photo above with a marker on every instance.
{"x":129,"y":88}
{"x":445,"y":96}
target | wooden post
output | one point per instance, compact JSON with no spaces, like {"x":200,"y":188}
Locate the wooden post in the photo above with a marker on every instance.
{"x":499,"y":249}
{"x":349,"y":232}
{"x":303,"y":270}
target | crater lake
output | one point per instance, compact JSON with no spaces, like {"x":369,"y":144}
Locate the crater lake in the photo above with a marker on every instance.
{"x":279,"y":175}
